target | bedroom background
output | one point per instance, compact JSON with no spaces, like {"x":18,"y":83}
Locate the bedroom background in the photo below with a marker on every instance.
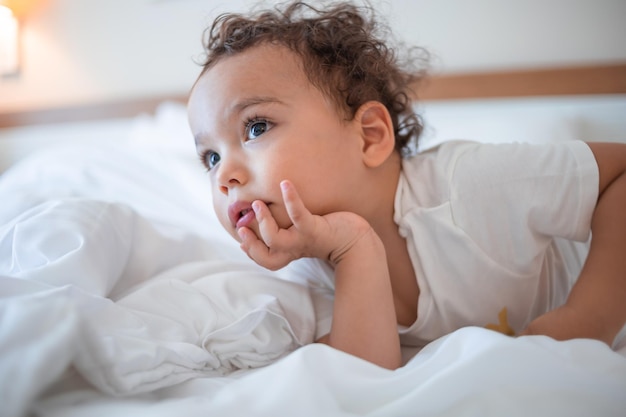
{"x":78,"y":51}
{"x":120,"y":293}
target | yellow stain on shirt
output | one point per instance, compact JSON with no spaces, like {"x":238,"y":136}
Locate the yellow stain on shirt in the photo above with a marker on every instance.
{"x":503,"y":325}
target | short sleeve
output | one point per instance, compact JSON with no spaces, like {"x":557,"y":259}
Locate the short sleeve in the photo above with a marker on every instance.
{"x":512,"y":199}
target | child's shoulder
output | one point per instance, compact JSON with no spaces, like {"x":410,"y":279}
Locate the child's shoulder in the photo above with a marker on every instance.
{"x":439,"y":149}
{"x":460,"y":158}
{"x":426,"y":174}
{"x":451,"y":150}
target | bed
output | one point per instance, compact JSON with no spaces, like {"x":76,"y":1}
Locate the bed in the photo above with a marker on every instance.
{"x":120,"y":295}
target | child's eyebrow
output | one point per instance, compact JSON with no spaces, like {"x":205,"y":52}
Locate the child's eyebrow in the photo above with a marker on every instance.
{"x":198,"y":139}
{"x":240,"y":106}
{"x":253,"y":101}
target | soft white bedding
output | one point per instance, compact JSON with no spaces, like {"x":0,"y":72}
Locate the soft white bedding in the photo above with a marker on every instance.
{"x":121,"y":295}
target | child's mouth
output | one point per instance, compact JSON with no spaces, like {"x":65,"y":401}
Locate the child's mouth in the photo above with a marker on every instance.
{"x":245,"y":218}
{"x":241,"y":214}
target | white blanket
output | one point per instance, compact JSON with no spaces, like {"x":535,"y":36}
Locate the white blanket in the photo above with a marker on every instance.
{"x":91,"y":284}
{"x":121,"y":296}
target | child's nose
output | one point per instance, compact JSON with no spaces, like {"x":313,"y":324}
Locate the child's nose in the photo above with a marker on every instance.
{"x":231,"y":174}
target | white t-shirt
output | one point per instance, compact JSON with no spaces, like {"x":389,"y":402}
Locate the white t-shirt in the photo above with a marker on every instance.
{"x":480,"y":221}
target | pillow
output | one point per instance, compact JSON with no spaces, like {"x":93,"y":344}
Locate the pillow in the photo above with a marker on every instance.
{"x":497,"y":121}
{"x":167,"y":130}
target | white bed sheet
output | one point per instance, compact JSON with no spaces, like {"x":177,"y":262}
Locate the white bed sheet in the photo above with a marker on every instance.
{"x":121,"y":295}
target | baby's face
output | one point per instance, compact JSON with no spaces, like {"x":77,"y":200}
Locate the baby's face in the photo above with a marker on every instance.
{"x":257,"y":120}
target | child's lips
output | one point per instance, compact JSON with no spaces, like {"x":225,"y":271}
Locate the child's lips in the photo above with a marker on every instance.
{"x":246,"y":217}
{"x":240,"y":214}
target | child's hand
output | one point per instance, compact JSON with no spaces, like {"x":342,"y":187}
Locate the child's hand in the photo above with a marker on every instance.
{"x":566,"y":323}
{"x":326,"y":237}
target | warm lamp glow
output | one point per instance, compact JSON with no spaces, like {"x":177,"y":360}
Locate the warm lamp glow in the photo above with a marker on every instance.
{"x":9,"y":42}
{"x":12,"y":14}
{"x":20,"y":8}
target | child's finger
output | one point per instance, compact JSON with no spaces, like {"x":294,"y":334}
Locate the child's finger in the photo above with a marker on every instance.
{"x":268,"y":228}
{"x":296,"y":210}
{"x":248,"y":239}
{"x":251,"y":244}
{"x":260,"y":253}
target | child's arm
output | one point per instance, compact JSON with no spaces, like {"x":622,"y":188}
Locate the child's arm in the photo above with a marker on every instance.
{"x":364,"y":320}
{"x":596,"y":307}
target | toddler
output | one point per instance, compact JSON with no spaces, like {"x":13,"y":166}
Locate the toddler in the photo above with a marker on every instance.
{"x":303,"y":118}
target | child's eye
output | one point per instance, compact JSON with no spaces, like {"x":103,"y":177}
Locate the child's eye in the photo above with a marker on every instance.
{"x":210,"y":159}
{"x":255,"y":128}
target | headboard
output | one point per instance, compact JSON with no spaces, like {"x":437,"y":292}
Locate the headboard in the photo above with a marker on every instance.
{"x":580,"y":102}
{"x":601,"y":79}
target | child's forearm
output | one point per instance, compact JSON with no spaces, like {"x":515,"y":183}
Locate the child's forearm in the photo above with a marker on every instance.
{"x":596,"y":307}
{"x":364,"y":319}
{"x":600,"y":292}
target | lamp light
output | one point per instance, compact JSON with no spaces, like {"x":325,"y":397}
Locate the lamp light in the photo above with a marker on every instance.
{"x":12,"y":15}
{"x":20,"y":8}
{"x":9,"y":42}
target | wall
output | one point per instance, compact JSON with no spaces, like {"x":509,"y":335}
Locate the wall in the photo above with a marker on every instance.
{"x":77,"y":51}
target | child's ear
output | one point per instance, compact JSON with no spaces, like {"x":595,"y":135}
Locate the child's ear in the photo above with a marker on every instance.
{"x":376,"y":132}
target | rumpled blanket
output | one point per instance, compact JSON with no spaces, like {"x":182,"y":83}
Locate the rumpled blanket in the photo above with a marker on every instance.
{"x":133,"y":308}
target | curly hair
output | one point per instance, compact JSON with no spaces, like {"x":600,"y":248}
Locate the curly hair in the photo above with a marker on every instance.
{"x":343,"y":52}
